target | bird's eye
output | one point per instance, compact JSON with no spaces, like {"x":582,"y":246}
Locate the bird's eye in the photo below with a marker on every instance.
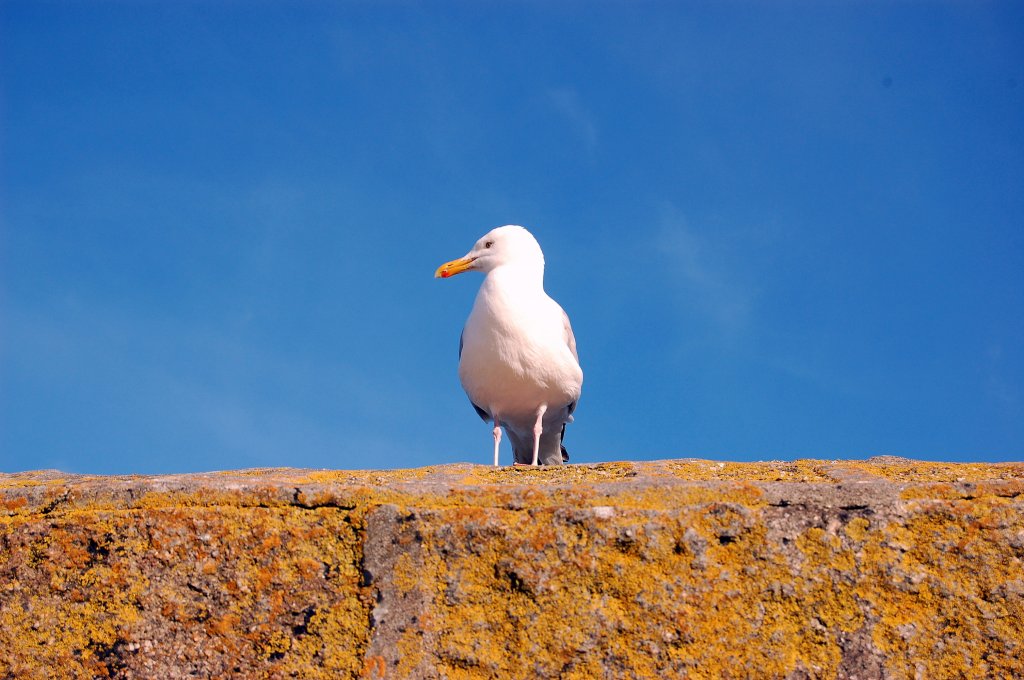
{"x":488,"y":244}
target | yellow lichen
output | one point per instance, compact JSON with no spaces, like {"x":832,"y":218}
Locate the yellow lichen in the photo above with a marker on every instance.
{"x":942,"y":585}
{"x":650,"y":595}
{"x":902,"y":470}
{"x":271,"y":568}
{"x":570,"y":572}
{"x":795,"y":471}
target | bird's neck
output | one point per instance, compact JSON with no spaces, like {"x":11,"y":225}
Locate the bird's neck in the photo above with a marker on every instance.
{"x":517,"y":279}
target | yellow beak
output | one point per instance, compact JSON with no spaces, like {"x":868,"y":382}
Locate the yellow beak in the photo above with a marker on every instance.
{"x":454,"y":267}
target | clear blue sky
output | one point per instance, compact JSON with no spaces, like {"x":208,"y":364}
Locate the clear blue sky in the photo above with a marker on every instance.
{"x":781,"y":230}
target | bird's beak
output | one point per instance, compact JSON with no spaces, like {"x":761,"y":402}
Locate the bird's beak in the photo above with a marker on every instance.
{"x":454,"y":267}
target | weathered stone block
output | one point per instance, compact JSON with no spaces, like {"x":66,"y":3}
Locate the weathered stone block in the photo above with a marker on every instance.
{"x":881,"y":569}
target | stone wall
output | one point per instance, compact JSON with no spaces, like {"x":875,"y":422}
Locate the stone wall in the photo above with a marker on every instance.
{"x":886,"y":568}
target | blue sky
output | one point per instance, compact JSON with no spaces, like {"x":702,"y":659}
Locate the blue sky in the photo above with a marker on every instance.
{"x":781,"y":230}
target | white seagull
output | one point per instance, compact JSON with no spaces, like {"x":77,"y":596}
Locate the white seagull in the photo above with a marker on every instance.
{"x":517,"y":354}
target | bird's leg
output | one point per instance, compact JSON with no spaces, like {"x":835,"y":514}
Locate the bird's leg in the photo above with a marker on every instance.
{"x":537,"y":429}
{"x":497,"y":440}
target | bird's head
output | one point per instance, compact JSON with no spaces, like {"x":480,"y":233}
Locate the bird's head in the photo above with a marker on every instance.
{"x":508,"y":245}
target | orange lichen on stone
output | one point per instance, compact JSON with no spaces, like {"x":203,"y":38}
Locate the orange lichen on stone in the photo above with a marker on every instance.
{"x":92,"y":591}
{"x":948,"y":588}
{"x":917,"y":471}
{"x":795,"y":471}
{"x":13,"y":503}
{"x":374,"y":667}
{"x":565,"y":474}
{"x":690,"y":568}
{"x":702,"y":593}
{"x":1006,"y":489}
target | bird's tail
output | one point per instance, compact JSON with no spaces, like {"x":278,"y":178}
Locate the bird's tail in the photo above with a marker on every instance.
{"x":551,"y":451}
{"x":561,"y":438}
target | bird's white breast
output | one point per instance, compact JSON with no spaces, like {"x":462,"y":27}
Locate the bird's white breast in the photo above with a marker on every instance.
{"x":515,"y":355}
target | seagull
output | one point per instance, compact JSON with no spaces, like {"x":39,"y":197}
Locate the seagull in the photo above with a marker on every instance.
{"x":517,"y":354}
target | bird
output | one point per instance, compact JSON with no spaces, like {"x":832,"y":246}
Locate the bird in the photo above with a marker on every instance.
{"x":517,"y":353}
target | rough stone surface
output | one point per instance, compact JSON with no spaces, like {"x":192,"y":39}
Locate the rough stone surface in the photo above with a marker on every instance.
{"x":886,"y":568}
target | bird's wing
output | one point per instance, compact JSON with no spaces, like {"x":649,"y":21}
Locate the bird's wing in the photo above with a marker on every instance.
{"x":479,"y":411}
{"x":484,"y":415}
{"x":570,"y":339}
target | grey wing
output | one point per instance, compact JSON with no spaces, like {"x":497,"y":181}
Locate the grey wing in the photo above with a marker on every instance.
{"x":570,"y":339}
{"x":479,"y":411}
